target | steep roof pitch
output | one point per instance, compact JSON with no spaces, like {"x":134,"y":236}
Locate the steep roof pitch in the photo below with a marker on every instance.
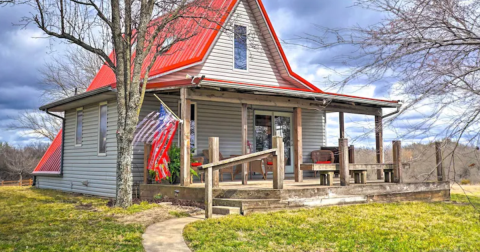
{"x":195,"y":51}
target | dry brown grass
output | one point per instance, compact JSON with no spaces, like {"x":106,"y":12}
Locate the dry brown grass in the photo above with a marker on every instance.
{"x":471,"y":190}
{"x":158,"y":214}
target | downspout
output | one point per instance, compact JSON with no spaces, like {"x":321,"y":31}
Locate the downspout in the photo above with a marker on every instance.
{"x":63,"y":138}
{"x":393,"y":113}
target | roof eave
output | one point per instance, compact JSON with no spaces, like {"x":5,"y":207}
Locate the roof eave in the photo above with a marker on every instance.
{"x":62,"y":105}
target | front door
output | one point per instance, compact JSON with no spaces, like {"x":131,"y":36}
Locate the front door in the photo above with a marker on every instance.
{"x":269,"y":124}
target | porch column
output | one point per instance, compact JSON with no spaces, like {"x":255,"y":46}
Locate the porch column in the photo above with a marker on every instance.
{"x":379,"y":144}
{"x":341,"y":120}
{"x":343,"y":161}
{"x":397,"y":161}
{"x":185,"y":151}
{"x":244,"y":142}
{"x":297,"y":144}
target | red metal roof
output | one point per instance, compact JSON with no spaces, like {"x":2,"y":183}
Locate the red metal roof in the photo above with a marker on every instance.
{"x":51,"y":160}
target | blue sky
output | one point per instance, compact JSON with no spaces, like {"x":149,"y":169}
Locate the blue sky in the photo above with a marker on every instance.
{"x":23,"y":53}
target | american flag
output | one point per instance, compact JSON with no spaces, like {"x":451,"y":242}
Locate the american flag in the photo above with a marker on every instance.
{"x":158,"y":128}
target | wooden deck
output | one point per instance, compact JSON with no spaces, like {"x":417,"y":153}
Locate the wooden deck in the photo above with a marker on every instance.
{"x":289,"y":183}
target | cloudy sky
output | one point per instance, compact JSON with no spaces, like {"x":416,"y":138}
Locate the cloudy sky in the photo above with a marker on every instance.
{"x":23,"y":53}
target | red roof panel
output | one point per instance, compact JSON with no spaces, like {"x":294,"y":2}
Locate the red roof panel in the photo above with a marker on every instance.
{"x":52,"y":159}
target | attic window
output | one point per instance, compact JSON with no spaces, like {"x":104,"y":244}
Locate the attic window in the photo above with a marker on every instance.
{"x":240,"y":47}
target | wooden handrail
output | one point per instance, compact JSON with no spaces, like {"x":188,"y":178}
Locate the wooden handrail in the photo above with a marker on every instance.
{"x":226,"y":163}
{"x":216,"y":165}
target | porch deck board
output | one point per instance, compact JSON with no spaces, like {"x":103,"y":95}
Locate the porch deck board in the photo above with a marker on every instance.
{"x":288,"y":184}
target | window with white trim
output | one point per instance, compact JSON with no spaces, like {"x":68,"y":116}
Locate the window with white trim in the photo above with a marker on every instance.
{"x":79,"y":127}
{"x":102,"y":131}
{"x":240,"y":59}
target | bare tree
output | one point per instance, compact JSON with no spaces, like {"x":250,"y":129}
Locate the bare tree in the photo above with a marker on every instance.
{"x":61,"y":78}
{"x":21,"y":161}
{"x":429,"y":49}
{"x":70,"y":73}
{"x":37,"y":123}
{"x":138,"y":31}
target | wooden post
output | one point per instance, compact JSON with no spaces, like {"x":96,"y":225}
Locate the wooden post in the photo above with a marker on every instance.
{"x":146,"y":155}
{"x":278,"y":163}
{"x":379,"y":144}
{"x":343,"y":160}
{"x":439,"y":158}
{"x":297,"y":144}
{"x":185,"y":148}
{"x":30,"y":182}
{"x":244,"y":142}
{"x":214,"y":156}
{"x":208,"y":192}
{"x":397,"y":161}
{"x":341,"y":119}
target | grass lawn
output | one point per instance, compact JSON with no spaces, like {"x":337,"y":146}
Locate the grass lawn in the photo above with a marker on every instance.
{"x":370,"y":227}
{"x":45,"y":220}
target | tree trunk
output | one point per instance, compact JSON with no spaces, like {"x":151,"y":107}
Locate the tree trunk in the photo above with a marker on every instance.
{"x":124,"y":171}
{"x":21,"y":180}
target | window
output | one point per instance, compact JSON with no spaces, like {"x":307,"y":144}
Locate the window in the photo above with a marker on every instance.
{"x":79,"y":127}
{"x":102,"y":132}
{"x":193,"y":127}
{"x":240,"y":47}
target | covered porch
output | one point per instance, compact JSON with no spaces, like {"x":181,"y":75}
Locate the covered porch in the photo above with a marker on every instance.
{"x":263,"y":113}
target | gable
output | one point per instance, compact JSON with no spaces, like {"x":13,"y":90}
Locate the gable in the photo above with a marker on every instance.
{"x":262,"y":69}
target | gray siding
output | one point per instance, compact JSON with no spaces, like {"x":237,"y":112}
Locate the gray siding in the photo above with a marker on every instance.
{"x":314,"y":136}
{"x":82,"y":163}
{"x":261,"y":66}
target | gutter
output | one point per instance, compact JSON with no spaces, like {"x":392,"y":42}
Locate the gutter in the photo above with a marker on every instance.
{"x":393,"y":113}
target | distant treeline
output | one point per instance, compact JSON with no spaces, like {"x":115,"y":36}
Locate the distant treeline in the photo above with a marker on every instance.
{"x":18,"y":162}
{"x":461,"y":162}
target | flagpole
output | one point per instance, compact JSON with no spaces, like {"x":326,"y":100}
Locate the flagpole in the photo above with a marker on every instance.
{"x":181,"y":121}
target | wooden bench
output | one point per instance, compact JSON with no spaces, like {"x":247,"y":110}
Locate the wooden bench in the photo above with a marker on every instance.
{"x":327,"y":172}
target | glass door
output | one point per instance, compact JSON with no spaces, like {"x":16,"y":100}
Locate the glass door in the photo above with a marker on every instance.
{"x":268,"y":124}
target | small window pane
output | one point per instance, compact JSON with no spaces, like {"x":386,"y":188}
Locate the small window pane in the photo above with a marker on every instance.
{"x":78,"y":139}
{"x":102,"y":141}
{"x":240,"y":50}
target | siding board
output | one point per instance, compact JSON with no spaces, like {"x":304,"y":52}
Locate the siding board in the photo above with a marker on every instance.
{"x":82,"y":163}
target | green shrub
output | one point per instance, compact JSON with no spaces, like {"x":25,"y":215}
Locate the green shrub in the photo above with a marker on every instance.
{"x":465,"y":182}
{"x":174,"y":165}
{"x":158,"y":196}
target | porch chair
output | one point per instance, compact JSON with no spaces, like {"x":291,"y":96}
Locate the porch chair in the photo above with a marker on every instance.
{"x":256,"y":166}
{"x":268,"y":163}
{"x":196,"y":162}
{"x":322,"y":157}
{"x":222,"y":171}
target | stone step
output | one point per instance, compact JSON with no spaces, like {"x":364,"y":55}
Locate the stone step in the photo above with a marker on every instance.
{"x":251,"y":205}
{"x":247,"y":194}
{"x":225,"y":210}
{"x":329,"y":201}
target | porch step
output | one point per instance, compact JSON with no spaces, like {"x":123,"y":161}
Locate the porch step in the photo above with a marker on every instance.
{"x":225,"y":210}
{"x":247,"y":193}
{"x":329,"y":201}
{"x":251,"y":205}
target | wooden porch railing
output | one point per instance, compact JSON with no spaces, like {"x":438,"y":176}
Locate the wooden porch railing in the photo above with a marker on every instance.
{"x":216,"y":165}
